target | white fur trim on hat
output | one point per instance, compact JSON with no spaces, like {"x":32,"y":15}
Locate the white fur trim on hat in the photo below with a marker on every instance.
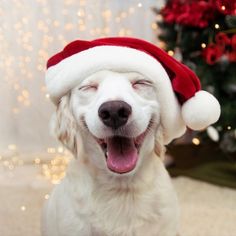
{"x":201,"y":110}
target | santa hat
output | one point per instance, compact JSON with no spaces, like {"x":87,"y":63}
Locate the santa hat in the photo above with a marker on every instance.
{"x":182,"y":102}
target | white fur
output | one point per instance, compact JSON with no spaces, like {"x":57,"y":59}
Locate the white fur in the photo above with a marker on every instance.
{"x":92,"y":200}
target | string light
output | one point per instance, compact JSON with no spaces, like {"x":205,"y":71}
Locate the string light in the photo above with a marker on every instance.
{"x":60,"y":149}
{"x":203,"y":45}
{"x":217,"y":26}
{"x":158,"y":17}
{"x":69,"y":26}
{"x":23,"y":208}
{"x":25,"y":93}
{"x":171,"y":53}
{"x":37,"y":161}
{"x":107,"y":14}
{"x":51,"y":150}
{"x":223,"y":8}
{"x":56,"y":23}
{"x":55,"y":170}
{"x":196,"y":141}
{"x":154,"y":26}
{"x":162,"y":45}
{"x":140,"y":4}
{"x":228,"y":127}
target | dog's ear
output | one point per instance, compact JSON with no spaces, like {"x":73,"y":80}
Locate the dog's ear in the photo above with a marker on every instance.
{"x":63,"y":125}
{"x":159,"y":143}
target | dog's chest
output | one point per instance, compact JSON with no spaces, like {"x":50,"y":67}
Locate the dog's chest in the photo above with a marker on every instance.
{"x":123,"y":212}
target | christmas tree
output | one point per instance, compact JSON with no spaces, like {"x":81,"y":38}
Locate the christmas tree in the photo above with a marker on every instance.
{"x":202,"y":34}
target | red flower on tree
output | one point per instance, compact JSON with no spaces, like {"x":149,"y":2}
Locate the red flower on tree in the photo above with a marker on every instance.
{"x":233,"y":42}
{"x":190,"y":13}
{"x":212,"y":53}
{"x":232,"y":54}
{"x":227,"y":7}
{"x":224,"y":46}
{"x":222,"y":40}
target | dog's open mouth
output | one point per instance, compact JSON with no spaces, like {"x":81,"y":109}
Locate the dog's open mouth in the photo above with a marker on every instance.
{"x":121,"y":152}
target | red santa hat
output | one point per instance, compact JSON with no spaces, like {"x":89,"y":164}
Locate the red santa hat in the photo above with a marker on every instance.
{"x":182,"y":102}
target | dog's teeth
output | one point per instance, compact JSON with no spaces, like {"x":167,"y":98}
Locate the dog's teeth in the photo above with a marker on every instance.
{"x":106,"y":154}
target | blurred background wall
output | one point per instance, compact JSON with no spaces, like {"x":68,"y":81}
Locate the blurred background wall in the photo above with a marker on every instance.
{"x":33,"y":30}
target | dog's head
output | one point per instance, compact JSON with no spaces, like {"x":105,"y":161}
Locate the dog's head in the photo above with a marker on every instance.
{"x":111,"y":119}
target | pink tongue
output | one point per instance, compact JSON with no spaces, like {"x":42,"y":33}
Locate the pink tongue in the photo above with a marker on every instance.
{"x":122,"y":154}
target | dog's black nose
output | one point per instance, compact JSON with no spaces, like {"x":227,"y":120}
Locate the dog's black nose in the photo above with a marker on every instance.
{"x":114,"y":113}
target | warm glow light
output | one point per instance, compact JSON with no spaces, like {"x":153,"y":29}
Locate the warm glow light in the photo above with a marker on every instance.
{"x":217,"y":26}
{"x":162,"y":45}
{"x":154,"y":26}
{"x":69,"y":26}
{"x":6,"y":163}
{"x":46,"y":196}
{"x":12,"y":147}
{"x":15,"y":110}
{"x":228,"y":127}
{"x":123,"y":15}
{"x":16,"y":86}
{"x":51,"y":150}
{"x":140,"y":4}
{"x":223,"y":8}
{"x":55,"y":170}
{"x":56,"y":23}
{"x":81,"y":13}
{"x":23,"y":208}
{"x":107,"y":14}
{"x":60,"y":149}
{"x":171,"y":53}
{"x":37,"y":161}
{"x":203,"y":45}
{"x":26,"y":103}
{"x":25,"y":93}
{"x":195,"y":141}
{"x":43,"y":88}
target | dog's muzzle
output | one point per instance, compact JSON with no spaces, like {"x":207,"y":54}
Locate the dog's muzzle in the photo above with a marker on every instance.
{"x":121,"y":152}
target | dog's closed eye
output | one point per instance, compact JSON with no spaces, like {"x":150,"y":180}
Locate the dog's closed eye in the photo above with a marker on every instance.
{"x":90,"y":87}
{"x":141,"y":83}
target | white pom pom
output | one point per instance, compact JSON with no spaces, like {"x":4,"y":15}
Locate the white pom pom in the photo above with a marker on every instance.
{"x":201,"y":110}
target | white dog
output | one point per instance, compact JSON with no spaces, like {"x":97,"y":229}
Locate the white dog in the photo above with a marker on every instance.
{"x":117,"y":185}
{"x":119,"y":101}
